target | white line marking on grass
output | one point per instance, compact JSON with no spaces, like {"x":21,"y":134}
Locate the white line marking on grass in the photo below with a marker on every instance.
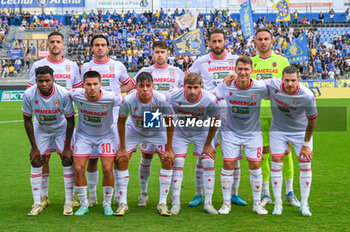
{"x":2,"y":122}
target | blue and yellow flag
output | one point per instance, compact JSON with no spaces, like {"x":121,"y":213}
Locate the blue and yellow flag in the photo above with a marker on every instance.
{"x":298,"y":51}
{"x":247,"y":19}
{"x":283,"y":13}
{"x":190,"y":44}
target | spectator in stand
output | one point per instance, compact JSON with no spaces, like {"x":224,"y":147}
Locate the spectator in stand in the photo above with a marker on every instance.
{"x":331,"y":15}
{"x":6,"y":71}
{"x":321,"y":17}
{"x":295,"y":17}
{"x":347,"y":15}
{"x":17,"y":65}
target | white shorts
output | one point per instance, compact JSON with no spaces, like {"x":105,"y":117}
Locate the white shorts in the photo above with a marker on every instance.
{"x":158,"y":142}
{"x":232,"y":144}
{"x":48,"y":142}
{"x":94,"y":153}
{"x":85,"y":146}
{"x":279,"y":144}
{"x":181,"y":142}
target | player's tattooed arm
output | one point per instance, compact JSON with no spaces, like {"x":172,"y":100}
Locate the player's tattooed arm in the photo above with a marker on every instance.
{"x":67,"y":151}
{"x":169,"y":153}
{"x":127,"y":87}
{"x":208,"y":148}
{"x":34,"y":151}
{"x":306,"y":149}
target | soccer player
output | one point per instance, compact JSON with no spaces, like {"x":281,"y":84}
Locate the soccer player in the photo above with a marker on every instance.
{"x":242,"y":128}
{"x":138,"y":104}
{"x":294,"y":118}
{"x":114,"y":77}
{"x":52,"y":131}
{"x":94,"y":131}
{"x":267,"y":64}
{"x":192,"y":106}
{"x":67,"y":75}
{"x":213,"y":68}
{"x":165,"y":78}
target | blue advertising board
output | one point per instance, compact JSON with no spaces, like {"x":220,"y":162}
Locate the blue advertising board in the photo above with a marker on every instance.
{"x":41,"y":3}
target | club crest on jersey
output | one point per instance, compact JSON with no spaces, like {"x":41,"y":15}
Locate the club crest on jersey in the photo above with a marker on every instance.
{"x":295,"y":101}
{"x":105,"y":106}
{"x":172,"y":73}
{"x":68,"y":68}
{"x":201,"y":108}
{"x":274,"y":64}
{"x":112,"y":68}
{"x":143,"y":145}
{"x":209,"y":62}
{"x":253,"y":95}
{"x":254,"y":65}
{"x":56,"y":103}
{"x":154,"y":107}
{"x":230,"y":62}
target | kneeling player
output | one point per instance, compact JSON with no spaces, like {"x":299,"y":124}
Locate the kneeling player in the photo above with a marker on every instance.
{"x":94,"y":131}
{"x":294,"y":118}
{"x":51,"y":132}
{"x":192,"y":106}
{"x":242,"y":128}
{"x":140,"y":104}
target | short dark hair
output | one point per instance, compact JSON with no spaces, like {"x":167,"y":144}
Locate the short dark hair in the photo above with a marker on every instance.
{"x":42,"y":70}
{"x":216,"y":31}
{"x":55,"y":33}
{"x":161,"y":44}
{"x":263,"y":29}
{"x":290,"y":70}
{"x":97,"y":37}
{"x":144,"y":76}
{"x":245,"y":60}
{"x":92,"y":74}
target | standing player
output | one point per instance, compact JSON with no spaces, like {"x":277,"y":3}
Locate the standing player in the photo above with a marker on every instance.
{"x":52,"y":131}
{"x":67,"y":75}
{"x":294,"y":118}
{"x":267,"y":65}
{"x":193,"y":105}
{"x":140,"y":103}
{"x":94,"y":131}
{"x":114,"y":77}
{"x":242,"y":128}
{"x":165,"y":78}
{"x":213,"y":68}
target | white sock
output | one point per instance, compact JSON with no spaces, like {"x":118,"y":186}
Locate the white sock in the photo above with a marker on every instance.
{"x":164,"y":181}
{"x":176,"y":181}
{"x":199,"y":176}
{"x":226,"y":184}
{"x":208,"y":179}
{"x":68,"y":178}
{"x":82,"y":194}
{"x":289,"y":185}
{"x":92,"y":179}
{"x":45,"y":185}
{"x":236,"y":178}
{"x":107,"y":195}
{"x":35,"y":182}
{"x":256,"y":183}
{"x":277,"y":180}
{"x":116,"y":191}
{"x":305,"y":182}
{"x":122,"y":183}
{"x":144,"y":173}
{"x":266,"y":188}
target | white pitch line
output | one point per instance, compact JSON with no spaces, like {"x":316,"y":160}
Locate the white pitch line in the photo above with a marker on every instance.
{"x":2,"y":122}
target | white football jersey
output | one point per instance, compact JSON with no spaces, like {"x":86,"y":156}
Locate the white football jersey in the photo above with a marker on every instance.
{"x":135,"y":107}
{"x":65,"y":72}
{"x":113,"y":73}
{"x":49,"y":111}
{"x":205,"y":107}
{"x":214,"y":71}
{"x":290,"y":111}
{"x":95,"y":118}
{"x":243,"y":107}
{"x":166,"y":78}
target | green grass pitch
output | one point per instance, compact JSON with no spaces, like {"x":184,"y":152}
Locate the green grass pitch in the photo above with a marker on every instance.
{"x":329,"y":199}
